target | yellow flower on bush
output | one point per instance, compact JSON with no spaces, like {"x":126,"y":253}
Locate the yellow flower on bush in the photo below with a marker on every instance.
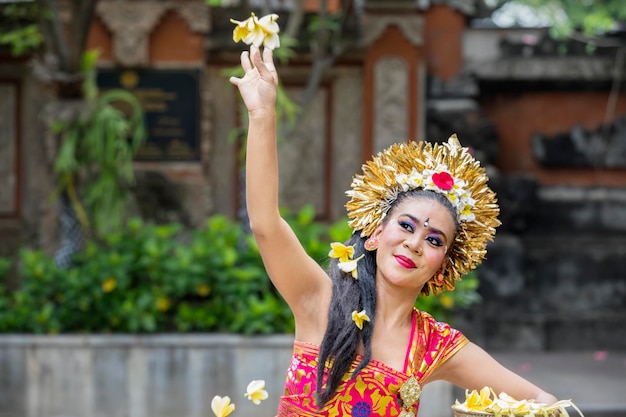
{"x":163,"y":303}
{"x":109,"y":284}
{"x":39,"y":272}
{"x":256,"y":391}
{"x":203,"y":290}
{"x":221,"y":406}
{"x":446,"y":301}
{"x":255,"y":31}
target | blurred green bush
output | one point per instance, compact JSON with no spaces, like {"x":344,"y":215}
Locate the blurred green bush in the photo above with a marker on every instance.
{"x":161,"y":278}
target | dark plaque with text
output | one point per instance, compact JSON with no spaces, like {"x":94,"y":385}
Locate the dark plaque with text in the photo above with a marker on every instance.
{"x":171,"y":102}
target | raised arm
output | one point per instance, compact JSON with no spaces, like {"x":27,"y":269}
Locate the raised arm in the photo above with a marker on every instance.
{"x":299,"y":279}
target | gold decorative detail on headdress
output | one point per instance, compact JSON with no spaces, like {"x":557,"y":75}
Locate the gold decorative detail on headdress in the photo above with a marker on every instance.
{"x":458,"y":175}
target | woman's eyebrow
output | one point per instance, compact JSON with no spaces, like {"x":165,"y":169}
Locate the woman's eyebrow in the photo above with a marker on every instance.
{"x":430,"y":228}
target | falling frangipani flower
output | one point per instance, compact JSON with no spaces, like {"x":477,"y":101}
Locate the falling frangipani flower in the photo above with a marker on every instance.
{"x":257,"y":32}
{"x":256,"y":391}
{"x":221,"y":406}
{"x":349,"y":267}
{"x":486,"y":401}
{"x":359,"y":317}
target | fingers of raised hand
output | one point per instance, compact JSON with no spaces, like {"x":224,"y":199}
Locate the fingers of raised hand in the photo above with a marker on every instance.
{"x":234,"y":80}
{"x":268,"y":59}
{"x":253,"y":61}
{"x":265,"y":65}
{"x":246,"y":65}
{"x":245,"y":61}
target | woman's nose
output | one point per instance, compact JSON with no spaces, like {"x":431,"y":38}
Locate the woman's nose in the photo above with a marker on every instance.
{"x":414,"y":244}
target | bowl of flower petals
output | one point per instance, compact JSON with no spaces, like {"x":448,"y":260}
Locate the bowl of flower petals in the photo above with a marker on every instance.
{"x":485,"y":403}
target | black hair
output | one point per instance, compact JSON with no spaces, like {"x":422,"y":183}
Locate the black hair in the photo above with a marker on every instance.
{"x":342,"y":337}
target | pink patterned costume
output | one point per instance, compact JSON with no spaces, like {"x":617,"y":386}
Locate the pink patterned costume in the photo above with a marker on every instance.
{"x":375,"y":390}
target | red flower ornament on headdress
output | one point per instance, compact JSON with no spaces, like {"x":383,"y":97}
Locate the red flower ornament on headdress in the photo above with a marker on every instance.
{"x":443,"y":180}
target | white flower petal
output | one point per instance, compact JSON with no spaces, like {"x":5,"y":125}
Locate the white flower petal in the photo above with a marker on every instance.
{"x":268,"y":23}
{"x":271,"y":41}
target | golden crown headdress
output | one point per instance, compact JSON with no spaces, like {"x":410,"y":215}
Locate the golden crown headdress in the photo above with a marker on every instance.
{"x":445,"y":168}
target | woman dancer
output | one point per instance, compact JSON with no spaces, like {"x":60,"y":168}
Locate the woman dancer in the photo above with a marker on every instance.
{"x":422,"y":215}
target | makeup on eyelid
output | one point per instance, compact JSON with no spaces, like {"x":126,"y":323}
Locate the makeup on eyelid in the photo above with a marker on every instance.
{"x":435,"y":237}
{"x":413,"y":221}
{"x":407,"y":220}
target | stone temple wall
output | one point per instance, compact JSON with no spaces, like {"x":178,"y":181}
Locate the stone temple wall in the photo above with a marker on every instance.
{"x":559,"y":283}
{"x":555,"y":276}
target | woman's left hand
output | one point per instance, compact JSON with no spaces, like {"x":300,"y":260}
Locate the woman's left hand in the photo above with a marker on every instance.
{"x":260,"y":80}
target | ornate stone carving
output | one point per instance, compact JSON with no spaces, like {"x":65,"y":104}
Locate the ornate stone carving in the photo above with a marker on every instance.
{"x":411,"y":26}
{"x":131,"y":23}
{"x":391,"y":84}
{"x":196,"y":14}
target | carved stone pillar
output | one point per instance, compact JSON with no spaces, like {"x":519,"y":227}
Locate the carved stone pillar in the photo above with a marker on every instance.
{"x":9,"y":149}
{"x":393,"y":82}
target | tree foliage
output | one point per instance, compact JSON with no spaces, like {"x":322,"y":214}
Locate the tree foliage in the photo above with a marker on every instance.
{"x":98,"y":133}
{"x":94,"y":162}
{"x":592,"y":18}
{"x":19,"y":30}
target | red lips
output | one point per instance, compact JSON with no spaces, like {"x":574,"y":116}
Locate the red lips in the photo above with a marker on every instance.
{"x":404,"y":261}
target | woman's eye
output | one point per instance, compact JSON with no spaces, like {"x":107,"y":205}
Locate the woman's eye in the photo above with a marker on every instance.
{"x":406,"y":225}
{"x":435,"y":241}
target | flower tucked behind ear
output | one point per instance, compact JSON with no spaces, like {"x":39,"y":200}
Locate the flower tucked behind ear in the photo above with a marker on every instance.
{"x":359,"y":318}
{"x":344,"y":254}
{"x":340,"y":251}
{"x":349,"y":267}
{"x":221,"y":406}
{"x":256,"y":391}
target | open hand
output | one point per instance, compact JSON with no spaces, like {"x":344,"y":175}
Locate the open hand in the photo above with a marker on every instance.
{"x":258,"y":85}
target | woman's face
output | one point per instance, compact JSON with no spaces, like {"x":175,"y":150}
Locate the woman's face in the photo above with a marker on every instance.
{"x":413,"y":242}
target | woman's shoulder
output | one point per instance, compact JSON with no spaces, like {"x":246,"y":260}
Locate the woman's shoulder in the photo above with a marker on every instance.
{"x":425,"y":317}
{"x":435,"y":343}
{"x":427,"y":325}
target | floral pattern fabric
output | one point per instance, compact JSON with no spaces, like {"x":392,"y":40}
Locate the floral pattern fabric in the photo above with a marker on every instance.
{"x":374,"y":391}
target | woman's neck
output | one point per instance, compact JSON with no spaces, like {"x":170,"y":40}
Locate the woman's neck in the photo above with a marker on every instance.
{"x":392,"y":312}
